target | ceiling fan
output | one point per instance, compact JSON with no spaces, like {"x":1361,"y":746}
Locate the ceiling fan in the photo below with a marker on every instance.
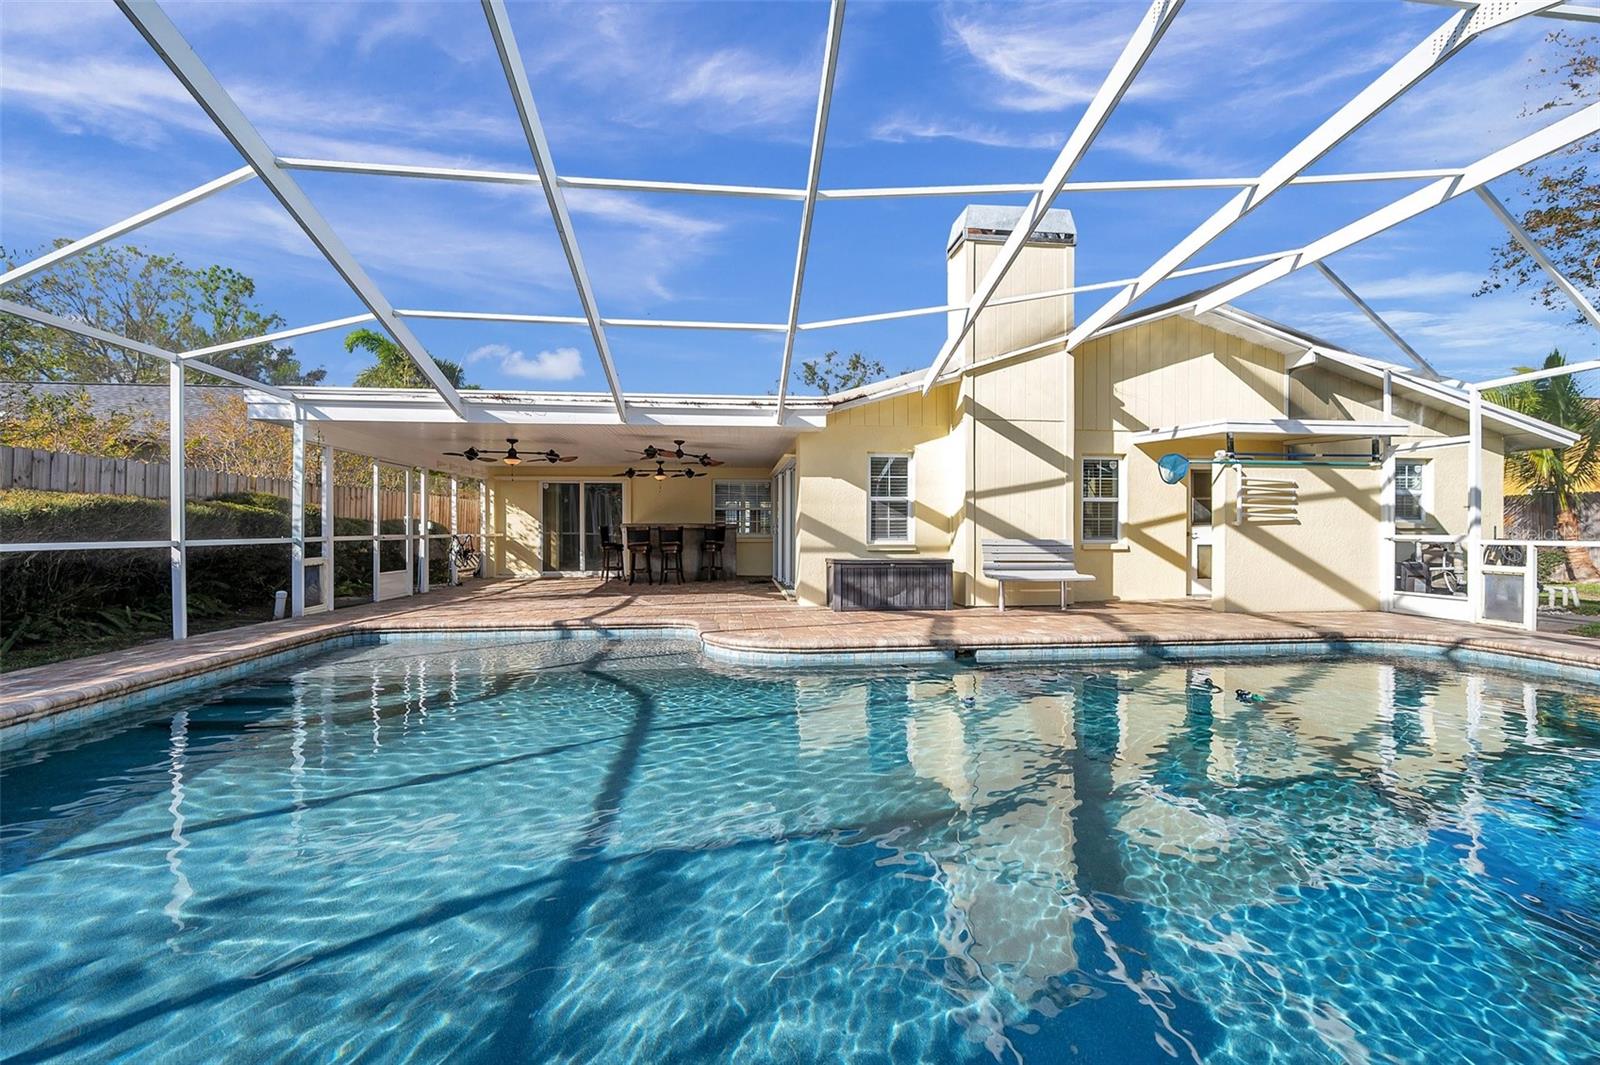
{"x":661,"y":472}
{"x":650,"y":451}
{"x":510,"y":456}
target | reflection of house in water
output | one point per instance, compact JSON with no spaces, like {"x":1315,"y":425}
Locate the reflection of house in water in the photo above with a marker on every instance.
{"x":1011,"y":882}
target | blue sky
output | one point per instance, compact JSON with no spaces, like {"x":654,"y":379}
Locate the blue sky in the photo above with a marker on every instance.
{"x":93,"y":128}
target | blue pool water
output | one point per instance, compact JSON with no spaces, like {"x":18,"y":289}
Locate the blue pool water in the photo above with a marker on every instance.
{"x":598,"y":852}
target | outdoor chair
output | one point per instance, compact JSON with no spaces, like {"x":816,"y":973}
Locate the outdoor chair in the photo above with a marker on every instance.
{"x":611,"y":552}
{"x":638,"y":538}
{"x":711,"y":546}
{"x":672,"y":553}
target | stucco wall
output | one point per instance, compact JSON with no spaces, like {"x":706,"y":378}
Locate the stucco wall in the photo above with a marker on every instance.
{"x":1326,"y":558}
{"x":831,"y":468}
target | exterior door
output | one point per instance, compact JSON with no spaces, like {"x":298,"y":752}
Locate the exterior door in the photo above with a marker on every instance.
{"x":602,"y":508}
{"x":563,"y":527}
{"x":1200,"y":534}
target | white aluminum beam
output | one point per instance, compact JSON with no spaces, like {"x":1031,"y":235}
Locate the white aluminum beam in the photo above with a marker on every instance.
{"x":1029,"y":297}
{"x":1134,"y":55}
{"x":568,"y":319}
{"x":127,"y":225}
{"x":819,"y":136}
{"x":769,"y":192}
{"x":1377,"y":319}
{"x":1434,"y":50}
{"x":516,"y":177}
{"x":1519,"y":154}
{"x":505,"y":43}
{"x":1568,"y":11}
{"x":1537,"y":254}
{"x":1539,"y":375}
{"x":157,"y":29}
{"x":1141,"y":185}
{"x":177,"y":501}
{"x":273,"y":338}
{"x":68,"y":325}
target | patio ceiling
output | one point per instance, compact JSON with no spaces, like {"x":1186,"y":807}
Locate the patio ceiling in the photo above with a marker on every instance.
{"x":1162,"y":21}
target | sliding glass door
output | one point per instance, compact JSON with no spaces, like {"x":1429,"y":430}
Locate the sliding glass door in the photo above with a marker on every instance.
{"x":574,"y":514}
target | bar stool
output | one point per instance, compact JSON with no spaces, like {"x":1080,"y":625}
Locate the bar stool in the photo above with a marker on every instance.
{"x":638,"y":537}
{"x":610,"y":555}
{"x":711,"y":552}
{"x":672,"y":553}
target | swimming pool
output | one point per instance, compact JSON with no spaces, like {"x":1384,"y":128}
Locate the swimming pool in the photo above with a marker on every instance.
{"x":609,"y":851}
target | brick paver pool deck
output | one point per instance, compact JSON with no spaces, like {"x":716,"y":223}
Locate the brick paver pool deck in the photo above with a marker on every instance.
{"x":751,"y":617}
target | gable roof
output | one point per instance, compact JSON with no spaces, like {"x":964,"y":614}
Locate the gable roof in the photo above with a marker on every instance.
{"x":1520,"y":431}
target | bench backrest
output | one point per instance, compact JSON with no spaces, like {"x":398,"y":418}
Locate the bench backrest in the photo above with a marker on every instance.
{"x":1028,"y":555}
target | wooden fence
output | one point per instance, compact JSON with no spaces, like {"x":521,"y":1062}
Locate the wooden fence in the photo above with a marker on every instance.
{"x":59,"y":471}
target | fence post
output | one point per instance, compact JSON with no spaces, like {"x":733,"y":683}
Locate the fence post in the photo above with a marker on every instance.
{"x":177,"y":495}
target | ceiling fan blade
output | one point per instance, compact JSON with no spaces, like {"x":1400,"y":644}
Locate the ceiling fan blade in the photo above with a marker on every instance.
{"x":567,"y":458}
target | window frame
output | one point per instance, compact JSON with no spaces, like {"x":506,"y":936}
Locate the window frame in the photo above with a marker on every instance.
{"x":1423,"y":494}
{"x":745,"y":507}
{"x":909,"y":499}
{"x":1084,"y":498}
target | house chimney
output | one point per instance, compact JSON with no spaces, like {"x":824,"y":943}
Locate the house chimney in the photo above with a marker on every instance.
{"x":1045,"y":265}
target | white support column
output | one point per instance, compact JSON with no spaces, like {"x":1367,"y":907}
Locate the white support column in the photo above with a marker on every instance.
{"x":177,"y":491}
{"x":377,"y":544}
{"x":328,"y":546}
{"x":422,"y":528}
{"x":455,"y":524}
{"x":483,"y":527}
{"x":1388,"y":394}
{"x":297,"y":519}
{"x":409,"y":518}
{"x":1475,"y":502}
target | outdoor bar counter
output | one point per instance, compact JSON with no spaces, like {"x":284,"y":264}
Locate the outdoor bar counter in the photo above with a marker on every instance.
{"x":693,"y":537}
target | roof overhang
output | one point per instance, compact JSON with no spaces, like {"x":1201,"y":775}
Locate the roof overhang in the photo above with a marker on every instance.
{"x":1288,"y":429}
{"x":415,"y":426}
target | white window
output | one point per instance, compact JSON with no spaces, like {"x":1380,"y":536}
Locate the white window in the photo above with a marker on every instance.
{"x":1410,"y":492}
{"x":745,"y":505}
{"x":889,"y":499}
{"x":1102,"y":500}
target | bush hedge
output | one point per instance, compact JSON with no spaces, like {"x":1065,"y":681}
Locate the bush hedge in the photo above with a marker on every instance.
{"x":81,"y":601}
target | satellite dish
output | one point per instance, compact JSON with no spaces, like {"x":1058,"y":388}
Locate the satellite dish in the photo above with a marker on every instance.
{"x":1174,"y":467}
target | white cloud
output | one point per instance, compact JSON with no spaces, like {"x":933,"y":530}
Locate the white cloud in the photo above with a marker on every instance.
{"x":561,"y":364}
{"x":903,"y":127}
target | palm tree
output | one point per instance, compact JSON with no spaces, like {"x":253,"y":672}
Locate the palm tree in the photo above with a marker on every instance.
{"x":394,"y":368}
{"x":1560,"y":476}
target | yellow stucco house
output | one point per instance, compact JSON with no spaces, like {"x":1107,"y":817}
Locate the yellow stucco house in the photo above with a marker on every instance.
{"x":1318,"y":479}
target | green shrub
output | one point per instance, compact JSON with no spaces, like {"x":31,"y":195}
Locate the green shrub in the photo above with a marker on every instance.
{"x":83,"y":601}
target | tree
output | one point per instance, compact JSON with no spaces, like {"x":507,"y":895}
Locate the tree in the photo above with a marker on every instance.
{"x":1564,"y":218}
{"x":155,"y":299}
{"x":70,"y":423}
{"x":828,"y":375}
{"x":394,"y":368}
{"x":1559,"y":476}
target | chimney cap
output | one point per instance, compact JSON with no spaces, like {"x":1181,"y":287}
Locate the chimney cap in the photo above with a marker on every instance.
{"x":992,"y":223}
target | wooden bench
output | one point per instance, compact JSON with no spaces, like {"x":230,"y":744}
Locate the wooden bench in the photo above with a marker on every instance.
{"x":1032,"y":560}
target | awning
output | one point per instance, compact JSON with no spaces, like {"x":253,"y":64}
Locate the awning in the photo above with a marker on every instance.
{"x":1288,"y":429}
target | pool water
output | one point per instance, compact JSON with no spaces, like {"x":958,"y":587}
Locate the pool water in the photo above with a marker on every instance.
{"x":594,"y":851}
